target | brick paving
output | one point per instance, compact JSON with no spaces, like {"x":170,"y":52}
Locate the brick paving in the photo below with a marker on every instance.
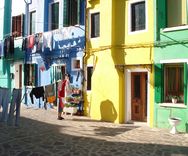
{"x":41,"y":134}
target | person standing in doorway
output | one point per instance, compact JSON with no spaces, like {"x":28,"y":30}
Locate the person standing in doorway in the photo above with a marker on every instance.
{"x":64,"y":91}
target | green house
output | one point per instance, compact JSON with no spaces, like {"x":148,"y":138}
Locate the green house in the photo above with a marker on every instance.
{"x":171,"y":58}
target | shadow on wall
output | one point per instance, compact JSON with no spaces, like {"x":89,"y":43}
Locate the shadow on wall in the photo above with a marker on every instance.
{"x":108,"y":112}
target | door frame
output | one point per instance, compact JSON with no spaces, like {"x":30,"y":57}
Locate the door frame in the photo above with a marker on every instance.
{"x":127,"y":76}
{"x":20,"y":76}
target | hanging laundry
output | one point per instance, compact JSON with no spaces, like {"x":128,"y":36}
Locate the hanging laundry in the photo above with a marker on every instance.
{"x":5,"y":94}
{"x":31,"y":41}
{"x":39,"y":42}
{"x":6,"y":46}
{"x":38,"y":92}
{"x":57,"y":37}
{"x":49,"y":90}
{"x":50,"y":93}
{"x":41,"y":64}
{"x":11,"y":45}
{"x":15,"y":107}
{"x":1,"y":49}
{"x":24,"y":44}
{"x":47,"y":40}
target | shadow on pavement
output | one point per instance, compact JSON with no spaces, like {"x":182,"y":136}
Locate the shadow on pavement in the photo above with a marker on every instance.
{"x":36,"y":138}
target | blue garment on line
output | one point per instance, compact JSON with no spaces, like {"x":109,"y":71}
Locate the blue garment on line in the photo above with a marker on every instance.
{"x":5,"y":94}
{"x":15,"y":107}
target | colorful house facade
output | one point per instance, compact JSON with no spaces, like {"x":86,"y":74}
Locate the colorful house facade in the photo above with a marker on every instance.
{"x":62,"y":24}
{"x":59,"y":24}
{"x":119,"y":61}
{"x":8,"y":65}
{"x":171,"y":60}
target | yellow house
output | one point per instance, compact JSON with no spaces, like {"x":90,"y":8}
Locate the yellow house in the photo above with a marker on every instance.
{"x":119,"y":61}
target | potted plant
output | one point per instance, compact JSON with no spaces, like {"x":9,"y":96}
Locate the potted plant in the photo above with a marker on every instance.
{"x":175,"y":99}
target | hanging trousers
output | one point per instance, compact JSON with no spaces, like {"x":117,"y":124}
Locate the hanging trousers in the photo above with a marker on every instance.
{"x":15,"y":107}
{"x":4,"y":102}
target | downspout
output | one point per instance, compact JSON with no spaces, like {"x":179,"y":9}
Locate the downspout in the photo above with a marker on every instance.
{"x":83,"y":72}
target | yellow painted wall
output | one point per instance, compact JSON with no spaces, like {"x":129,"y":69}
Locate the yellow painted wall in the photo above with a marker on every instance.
{"x":115,"y":46}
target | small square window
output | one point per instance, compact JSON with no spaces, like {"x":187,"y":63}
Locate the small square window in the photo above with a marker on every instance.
{"x":76,"y":64}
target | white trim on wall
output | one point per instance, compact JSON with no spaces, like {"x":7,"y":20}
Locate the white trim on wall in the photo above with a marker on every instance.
{"x":129,"y":17}
{"x":60,"y":13}
{"x":89,"y":23}
{"x":174,"y":61}
{"x":72,"y":63}
{"x":128,"y":93}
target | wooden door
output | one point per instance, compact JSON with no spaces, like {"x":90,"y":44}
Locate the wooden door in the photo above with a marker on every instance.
{"x":139,"y":96}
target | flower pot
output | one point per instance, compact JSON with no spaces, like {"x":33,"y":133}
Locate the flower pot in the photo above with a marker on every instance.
{"x":174,"y":100}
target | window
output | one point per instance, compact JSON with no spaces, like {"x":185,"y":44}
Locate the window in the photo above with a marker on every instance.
{"x":95,"y":25}
{"x":176,"y":12}
{"x":17,"y":25}
{"x":138,"y":16}
{"x":59,"y":72}
{"x":30,"y":74}
{"x":71,"y":12}
{"x":89,"y":75}
{"x":54,"y":20}
{"x":174,"y":82}
{"x":32,"y":22}
{"x":76,"y":64}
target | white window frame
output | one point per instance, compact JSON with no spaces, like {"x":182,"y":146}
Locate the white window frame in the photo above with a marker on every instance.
{"x":30,"y":11}
{"x":72,"y":63}
{"x":130,"y":19}
{"x":89,"y":24}
{"x":50,"y":12}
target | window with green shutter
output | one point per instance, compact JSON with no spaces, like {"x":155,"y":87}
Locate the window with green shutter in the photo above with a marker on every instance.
{"x":54,"y":16}
{"x":71,"y":12}
{"x":159,"y":77}
{"x":174,"y":82}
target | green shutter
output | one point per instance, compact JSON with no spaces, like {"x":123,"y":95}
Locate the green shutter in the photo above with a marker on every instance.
{"x":159,"y":83}
{"x":65,"y":13}
{"x":185,"y":83}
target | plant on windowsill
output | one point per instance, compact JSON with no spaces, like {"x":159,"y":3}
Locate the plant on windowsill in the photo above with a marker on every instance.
{"x":175,"y":99}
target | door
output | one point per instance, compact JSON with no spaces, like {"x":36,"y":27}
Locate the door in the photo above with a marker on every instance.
{"x":139,"y":96}
{"x":18,"y":76}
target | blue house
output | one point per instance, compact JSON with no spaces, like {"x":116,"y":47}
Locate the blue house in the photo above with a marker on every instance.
{"x":59,"y":24}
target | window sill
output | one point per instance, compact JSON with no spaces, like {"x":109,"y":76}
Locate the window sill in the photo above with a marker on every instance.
{"x":182,"y":27}
{"x":177,"y":105}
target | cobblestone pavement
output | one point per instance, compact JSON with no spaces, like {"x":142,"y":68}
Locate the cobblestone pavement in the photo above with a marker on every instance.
{"x":41,"y":134}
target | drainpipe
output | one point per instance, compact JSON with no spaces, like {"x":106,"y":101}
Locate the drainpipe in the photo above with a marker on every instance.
{"x":83,"y":83}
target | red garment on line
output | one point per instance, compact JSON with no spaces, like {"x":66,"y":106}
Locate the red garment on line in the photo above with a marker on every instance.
{"x":31,"y":42}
